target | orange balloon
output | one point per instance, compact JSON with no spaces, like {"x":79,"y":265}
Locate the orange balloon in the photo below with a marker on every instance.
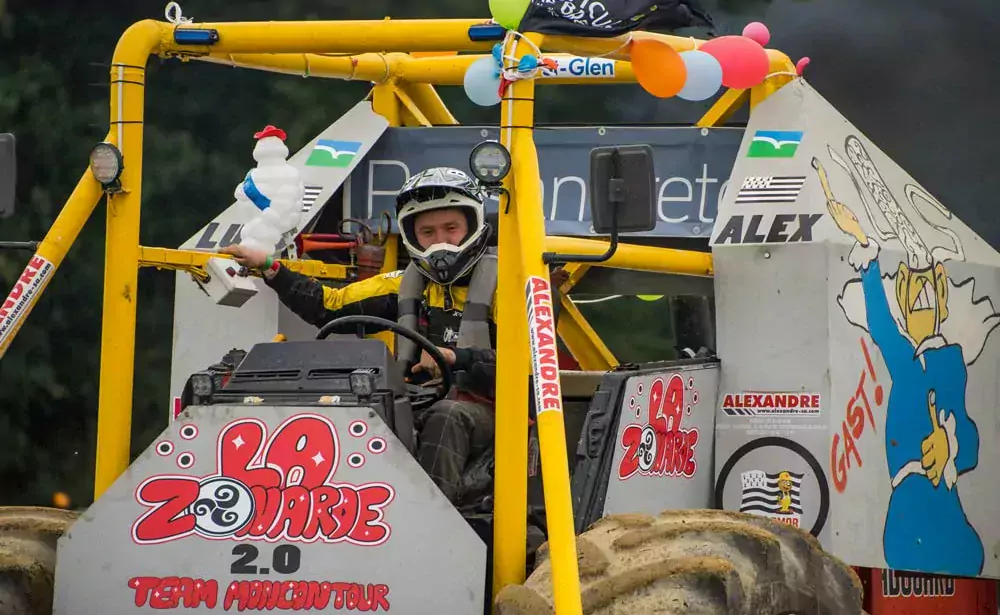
{"x":658,"y":68}
{"x":60,"y":500}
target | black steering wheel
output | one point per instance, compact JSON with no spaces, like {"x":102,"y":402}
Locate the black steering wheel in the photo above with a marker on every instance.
{"x":447,"y":378}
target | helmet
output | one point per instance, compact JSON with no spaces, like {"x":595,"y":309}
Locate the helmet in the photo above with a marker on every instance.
{"x":443,"y":188}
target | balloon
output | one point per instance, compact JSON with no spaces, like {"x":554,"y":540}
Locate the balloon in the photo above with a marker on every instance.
{"x":508,"y":13}
{"x":527,"y":63}
{"x":481,"y":83}
{"x":744,"y":62}
{"x":658,"y":68}
{"x":801,"y":65}
{"x":757,"y":32}
{"x":649,"y":297}
{"x":704,"y":76}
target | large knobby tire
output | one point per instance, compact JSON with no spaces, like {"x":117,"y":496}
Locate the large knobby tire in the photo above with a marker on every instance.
{"x":695,"y":562}
{"x":28,"y":538}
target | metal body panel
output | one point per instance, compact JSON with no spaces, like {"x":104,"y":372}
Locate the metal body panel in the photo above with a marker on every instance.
{"x":236,"y":507}
{"x":843,"y":286}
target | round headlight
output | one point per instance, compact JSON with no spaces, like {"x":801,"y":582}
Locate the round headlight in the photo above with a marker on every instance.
{"x":106,"y":163}
{"x":490,"y":162}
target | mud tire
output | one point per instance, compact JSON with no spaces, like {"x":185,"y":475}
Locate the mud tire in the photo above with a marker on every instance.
{"x":695,"y":562}
{"x":28,"y":538}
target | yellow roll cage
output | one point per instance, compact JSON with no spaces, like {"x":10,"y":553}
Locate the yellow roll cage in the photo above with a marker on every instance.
{"x":405,"y":60}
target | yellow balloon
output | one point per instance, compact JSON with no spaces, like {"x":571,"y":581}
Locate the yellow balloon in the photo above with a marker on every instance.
{"x":649,"y":297}
{"x":508,"y":13}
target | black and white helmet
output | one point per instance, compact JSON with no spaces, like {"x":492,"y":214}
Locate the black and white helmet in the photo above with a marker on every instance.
{"x":443,"y":188}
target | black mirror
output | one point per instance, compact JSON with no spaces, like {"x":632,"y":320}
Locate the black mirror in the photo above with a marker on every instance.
{"x":8,"y":174}
{"x":622,"y":189}
{"x":622,"y":197}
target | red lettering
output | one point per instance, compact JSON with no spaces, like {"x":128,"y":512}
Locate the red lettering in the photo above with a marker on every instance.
{"x":143,"y":586}
{"x":549,"y":373}
{"x":340,"y":592}
{"x":551,"y":389}
{"x":838,"y":464}
{"x":289,"y":477}
{"x":551,"y":403}
{"x":239,"y":446}
{"x":629,"y":465}
{"x":674,"y":454}
{"x":539,"y":284}
{"x":852,"y":427}
{"x":293,"y":516}
{"x":27,"y":277}
{"x":169,"y":499}
{"x":172,"y":592}
{"x":267,"y":504}
{"x":547,"y":354}
{"x":369,"y":528}
{"x":304,"y":451}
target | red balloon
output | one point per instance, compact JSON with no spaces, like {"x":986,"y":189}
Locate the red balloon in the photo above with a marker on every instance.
{"x":744,"y":62}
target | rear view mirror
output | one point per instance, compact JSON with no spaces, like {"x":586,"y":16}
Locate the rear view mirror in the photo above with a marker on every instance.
{"x":622,"y":189}
{"x":8,"y":174}
{"x":622,"y":197}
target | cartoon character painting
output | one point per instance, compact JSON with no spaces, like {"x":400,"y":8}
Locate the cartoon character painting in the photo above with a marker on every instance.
{"x":785,"y":487}
{"x":929,"y":329}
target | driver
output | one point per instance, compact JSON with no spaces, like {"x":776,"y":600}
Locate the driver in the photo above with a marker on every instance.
{"x":447,"y":294}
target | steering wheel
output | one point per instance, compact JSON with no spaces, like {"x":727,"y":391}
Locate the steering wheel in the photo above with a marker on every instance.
{"x":447,"y":378}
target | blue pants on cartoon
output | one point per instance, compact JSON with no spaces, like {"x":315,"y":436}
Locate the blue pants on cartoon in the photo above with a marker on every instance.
{"x":926,"y":530}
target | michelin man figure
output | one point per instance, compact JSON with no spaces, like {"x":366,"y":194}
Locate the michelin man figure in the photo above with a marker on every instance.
{"x":275,"y":189}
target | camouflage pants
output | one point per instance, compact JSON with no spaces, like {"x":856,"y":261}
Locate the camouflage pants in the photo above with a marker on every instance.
{"x":453,"y":433}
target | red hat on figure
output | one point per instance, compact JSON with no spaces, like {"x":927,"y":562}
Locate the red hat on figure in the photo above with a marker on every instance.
{"x":270,"y":131}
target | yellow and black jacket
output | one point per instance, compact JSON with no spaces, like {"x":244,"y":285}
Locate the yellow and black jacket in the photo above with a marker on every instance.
{"x":439,"y":315}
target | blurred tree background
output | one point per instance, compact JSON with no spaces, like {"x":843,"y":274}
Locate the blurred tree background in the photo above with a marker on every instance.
{"x":913,"y":75}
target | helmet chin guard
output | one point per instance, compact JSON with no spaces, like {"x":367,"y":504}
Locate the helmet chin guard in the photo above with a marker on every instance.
{"x":443,"y":188}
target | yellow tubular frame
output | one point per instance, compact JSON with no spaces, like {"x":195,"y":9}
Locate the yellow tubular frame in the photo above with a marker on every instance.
{"x":379,"y":52}
{"x":517,"y":118}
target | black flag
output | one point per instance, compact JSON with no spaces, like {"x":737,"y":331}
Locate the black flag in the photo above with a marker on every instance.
{"x":608,"y":18}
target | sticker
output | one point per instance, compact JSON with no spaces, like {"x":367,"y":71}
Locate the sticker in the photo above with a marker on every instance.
{"x":782,"y":228}
{"x":544,"y":353}
{"x":770,"y":189}
{"x":260,"y":479}
{"x":790,"y":445}
{"x":754,"y":403}
{"x":576,"y":66}
{"x":661,"y":446}
{"x":331,"y":153}
{"x":775,"y":144}
{"x":777,"y":496}
{"x":18,"y":302}
{"x":175,"y":408}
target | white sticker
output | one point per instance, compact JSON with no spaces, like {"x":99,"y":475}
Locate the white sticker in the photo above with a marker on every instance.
{"x":19,"y":301}
{"x":544,"y":352}
{"x":587,"y":68}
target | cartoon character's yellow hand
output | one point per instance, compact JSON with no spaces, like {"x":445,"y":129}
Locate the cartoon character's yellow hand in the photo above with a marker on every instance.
{"x":841,"y":214}
{"x":934,"y":448}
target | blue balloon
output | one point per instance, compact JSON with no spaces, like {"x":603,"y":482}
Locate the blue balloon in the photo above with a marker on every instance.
{"x":498,"y":53}
{"x":704,"y":75}
{"x":527,"y":63}
{"x":482,"y":84}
